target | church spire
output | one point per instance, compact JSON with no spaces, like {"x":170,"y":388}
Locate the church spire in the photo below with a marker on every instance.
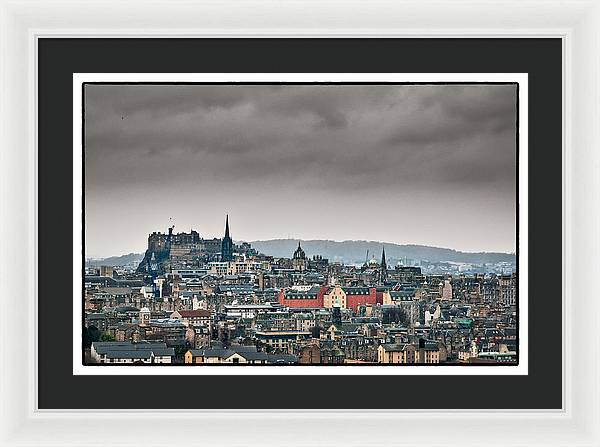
{"x":299,"y":253}
{"x":383,"y":268}
{"x":227,"y":244}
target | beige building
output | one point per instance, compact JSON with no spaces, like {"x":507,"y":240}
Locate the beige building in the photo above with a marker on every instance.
{"x":427,"y":352}
{"x":194,"y":356}
{"x":198,"y":317}
{"x":236,"y":354}
{"x":446,"y":291}
{"x":223,"y":268}
{"x":107,"y":270}
{"x":428,"y":356}
{"x":335,"y":298}
{"x":396,"y":353}
{"x":281,"y":340}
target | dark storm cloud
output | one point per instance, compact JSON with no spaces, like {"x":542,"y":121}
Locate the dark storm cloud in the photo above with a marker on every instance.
{"x":341,"y":142}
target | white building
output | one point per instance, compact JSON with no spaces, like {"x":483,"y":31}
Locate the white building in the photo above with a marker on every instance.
{"x":127,"y":352}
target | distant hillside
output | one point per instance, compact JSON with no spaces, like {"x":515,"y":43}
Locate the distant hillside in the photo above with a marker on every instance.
{"x":355,"y":251}
{"x":116,"y":260}
{"x":346,"y":251}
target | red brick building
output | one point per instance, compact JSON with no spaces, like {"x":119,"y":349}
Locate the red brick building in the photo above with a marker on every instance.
{"x":344,"y":297}
{"x":309,"y":298}
{"x":357,"y":296}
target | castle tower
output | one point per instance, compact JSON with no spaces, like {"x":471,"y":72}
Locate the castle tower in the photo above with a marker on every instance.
{"x":227,"y":244}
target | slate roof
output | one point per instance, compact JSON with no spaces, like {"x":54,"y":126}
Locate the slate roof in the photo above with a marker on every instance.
{"x":402,"y":295}
{"x":200,"y":313}
{"x":118,"y":349}
{"x":251,"y":356}
{"x":159,"y":352}
{"x":394,"y":347}
{"x":431,"y":345}
{"x":234,"y":288}
{"x":248,"y":352}
{"x":352,"y":290}
{"x":216,"y":352}
{"x":350,"y":327}
{"x":356,"y":290}
{"x":243,"y":348}
{"x":362,"y":320}
{"x":116,"y":290}
{"x":299,"y":295}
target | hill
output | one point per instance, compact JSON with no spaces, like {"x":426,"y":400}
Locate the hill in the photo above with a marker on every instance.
{"x":116,"y":260}
{"x":346,"y":251}
{"x":355,"y":251}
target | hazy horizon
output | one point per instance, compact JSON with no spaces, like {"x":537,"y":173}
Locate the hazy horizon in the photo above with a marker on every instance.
{"x":383,"y":243}
{"x":431,"y":165}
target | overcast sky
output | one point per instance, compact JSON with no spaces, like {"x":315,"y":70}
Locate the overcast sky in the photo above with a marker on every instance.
{"x":420,"y":164}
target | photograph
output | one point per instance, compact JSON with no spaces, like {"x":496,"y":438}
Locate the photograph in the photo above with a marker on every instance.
{"x":294,"y":224}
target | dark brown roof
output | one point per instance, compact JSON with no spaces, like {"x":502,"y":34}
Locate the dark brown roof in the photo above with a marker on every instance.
{"x":194,"y":313}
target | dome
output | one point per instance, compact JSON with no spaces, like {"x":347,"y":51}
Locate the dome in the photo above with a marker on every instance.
{"x":299,"y":253}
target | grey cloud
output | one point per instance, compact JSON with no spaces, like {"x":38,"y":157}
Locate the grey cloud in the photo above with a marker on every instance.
{"x":301,"y":144}
{"x":456,"y":112}
{"x":158,"y":99}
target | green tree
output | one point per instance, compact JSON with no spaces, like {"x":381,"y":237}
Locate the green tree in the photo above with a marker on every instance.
{"x":107,"y":337}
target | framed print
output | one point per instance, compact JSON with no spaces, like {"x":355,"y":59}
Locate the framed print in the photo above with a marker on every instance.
{"x":446,"y":318}
{"x":367,"y":228}
{"x":203,"y":301}
{"x":137,"y":315}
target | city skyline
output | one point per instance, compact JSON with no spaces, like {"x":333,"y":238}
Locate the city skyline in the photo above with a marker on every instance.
{"x":236,"y":240}
{"x":381,"y":244}
{"x":426,"y":165}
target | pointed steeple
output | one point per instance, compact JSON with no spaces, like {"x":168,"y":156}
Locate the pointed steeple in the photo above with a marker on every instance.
{"x":299,"y":253}
{"x":227,"y":244}
{"x":382,"y":268}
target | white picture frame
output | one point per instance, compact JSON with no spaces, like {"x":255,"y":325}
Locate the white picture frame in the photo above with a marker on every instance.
{"x":577,"y":23}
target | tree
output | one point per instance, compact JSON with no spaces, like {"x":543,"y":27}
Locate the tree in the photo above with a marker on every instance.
{"x":90,"y":335}
{"x":107,"y":337}
{"x":180,"y":351}
{"x":86,"y":338}
{"x":394,"y":314}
